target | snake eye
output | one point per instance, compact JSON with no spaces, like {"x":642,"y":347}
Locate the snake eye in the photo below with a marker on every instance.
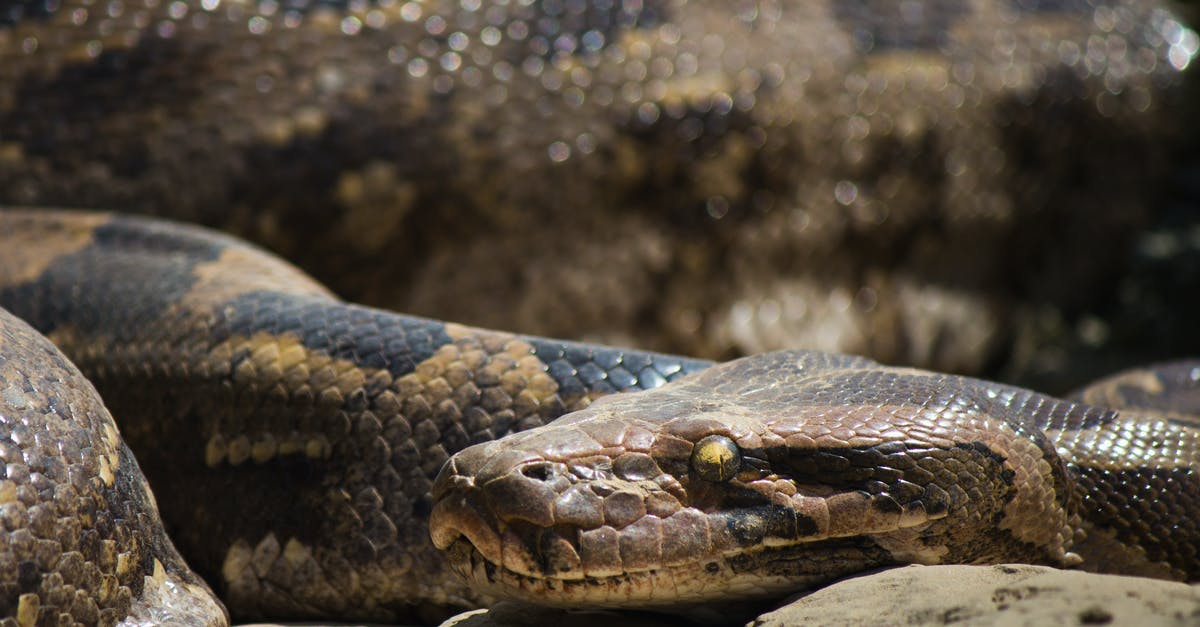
{"x":716,"y":458}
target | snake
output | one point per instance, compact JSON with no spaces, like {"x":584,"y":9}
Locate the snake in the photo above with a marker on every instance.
{"x":294,"y":440}
{"x":310,"y":457}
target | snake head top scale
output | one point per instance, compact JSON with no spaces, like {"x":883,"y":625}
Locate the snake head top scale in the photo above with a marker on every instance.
{"x":756,"y":477}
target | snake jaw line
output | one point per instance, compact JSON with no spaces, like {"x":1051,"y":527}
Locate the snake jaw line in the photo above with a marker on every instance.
{"x":858,"y":513}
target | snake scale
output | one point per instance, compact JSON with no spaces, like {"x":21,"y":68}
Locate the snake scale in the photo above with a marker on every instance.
{"x":293,"y":439}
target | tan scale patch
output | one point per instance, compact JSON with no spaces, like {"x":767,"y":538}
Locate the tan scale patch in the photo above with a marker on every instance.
{"x":474,"y":360}
{"x":1107,"y":393}
{"x":237,"y":561}
{"x":1130,"y":441}
{"x":377,"y":200}
{"x":58,"y":233}
{"x":282,"y":364}
{"x":8,"y":492}
{"x":125,"y":564}
{"x":28,"y":606}
{"x":522,"y":374}
{"x":239,"y":270}
{"x":106,"y":471}
{"x":244,"y":568}
{"x":1034,"y":515}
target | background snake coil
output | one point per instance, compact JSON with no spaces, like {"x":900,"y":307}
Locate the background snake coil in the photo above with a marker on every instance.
{"x":314,"y":458}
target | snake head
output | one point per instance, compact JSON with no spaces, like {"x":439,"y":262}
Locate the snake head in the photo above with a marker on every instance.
{"x":757,"y":477}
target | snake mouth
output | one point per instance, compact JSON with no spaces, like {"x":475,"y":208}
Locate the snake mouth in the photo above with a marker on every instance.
{"x":460,"y":520}
{"x":526,"y":561}
{"x":648,"y":589}
{"x":662,"y":588}
{"x":459,"y":517}
{"x":740,"y":578}
{"x":576,"y":567}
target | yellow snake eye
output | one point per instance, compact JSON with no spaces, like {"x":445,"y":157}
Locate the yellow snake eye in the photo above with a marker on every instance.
{"x":716,"y":458}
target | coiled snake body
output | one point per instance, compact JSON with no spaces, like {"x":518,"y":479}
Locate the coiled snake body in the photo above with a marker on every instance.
{"x":293,"y":439}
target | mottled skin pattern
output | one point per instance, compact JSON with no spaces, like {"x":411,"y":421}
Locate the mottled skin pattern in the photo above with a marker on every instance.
{"x":919,"y":181}
{"x":836,"y":465}
{"x":78,"y":526}
{"x":291,"y":439}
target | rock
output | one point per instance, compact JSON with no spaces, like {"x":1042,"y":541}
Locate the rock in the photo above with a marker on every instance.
{"x":1011,"y":594}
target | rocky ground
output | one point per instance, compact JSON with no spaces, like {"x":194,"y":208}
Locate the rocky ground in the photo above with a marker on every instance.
{"x":1011,"y":594}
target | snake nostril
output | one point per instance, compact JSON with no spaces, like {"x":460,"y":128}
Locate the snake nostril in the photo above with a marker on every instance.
{"x":538,"y":471}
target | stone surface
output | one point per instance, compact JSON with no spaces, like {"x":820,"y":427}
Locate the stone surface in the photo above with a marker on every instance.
{"x":1015,"y":594}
